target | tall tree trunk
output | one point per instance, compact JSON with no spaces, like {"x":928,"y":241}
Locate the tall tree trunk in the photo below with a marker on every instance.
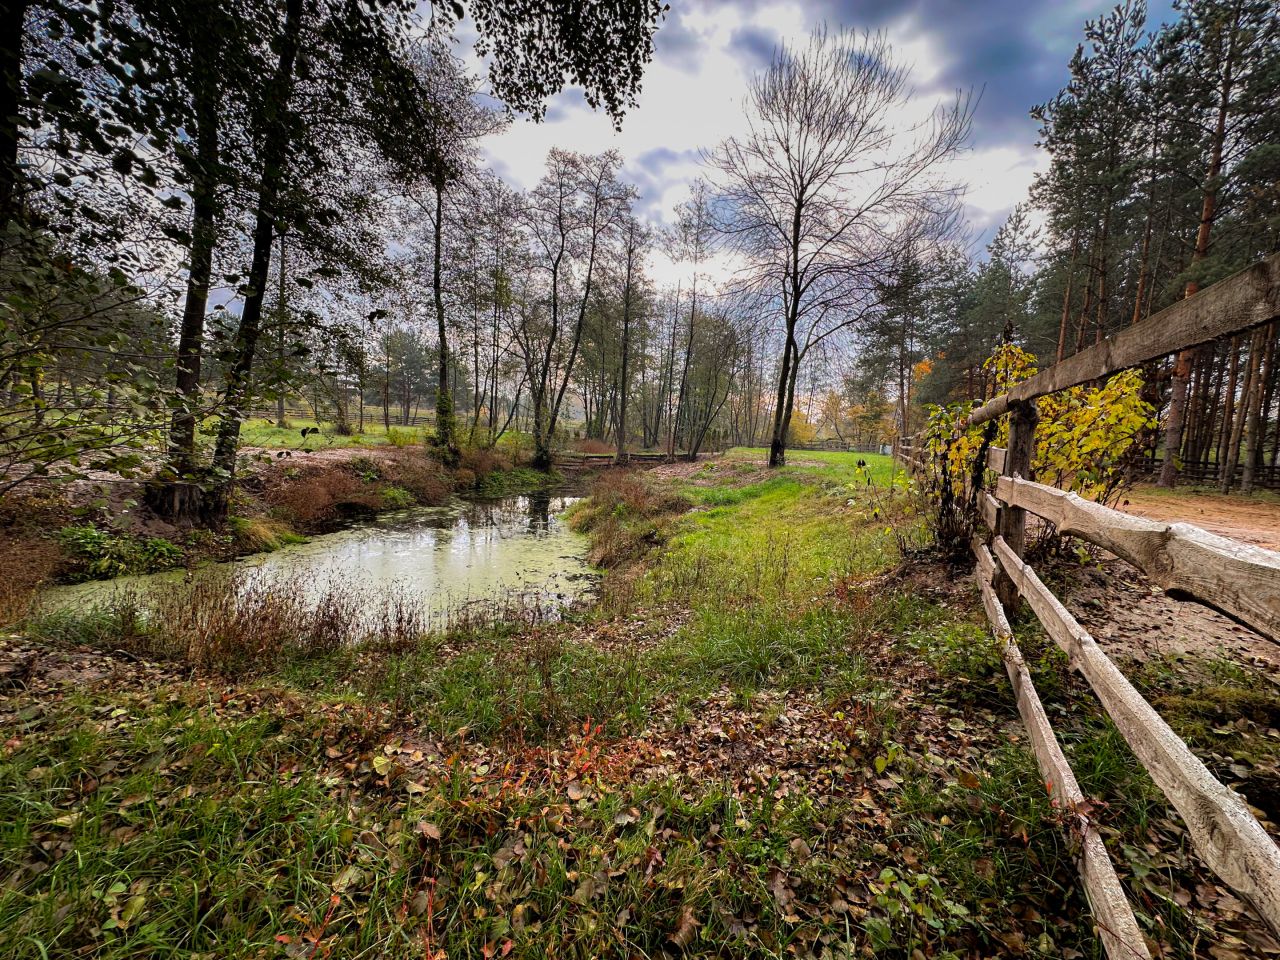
{"x":445,"y":432}
{"x":778,"y":439}
{"x":204,"y":239}
{"x":1147,"y":229}
{"x":1254,"y":427}
{"x":386,"y":394}
{"x":275,"y":145}
{"x":624,"y":382}
{"x":1182,"y":366}
{"x":669,"y":378}
{"x":1066,"y":296}
{"x":12,"y":25}
{"x":281,"y":321}
{"x":1101,"y":318}
{"x":681,"y":416}
{"x":1229,"y":408}
{"x":1227,"y":473}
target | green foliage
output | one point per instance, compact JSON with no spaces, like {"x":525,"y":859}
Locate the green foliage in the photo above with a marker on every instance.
{"x":261,"y":534}
{"x":1084,"y":437}
{"x":396,"y":498}
{"x":402,"y":438}
{"x":367,"y":469}
{"x":502,"y":483}
{"x":101,"y":554}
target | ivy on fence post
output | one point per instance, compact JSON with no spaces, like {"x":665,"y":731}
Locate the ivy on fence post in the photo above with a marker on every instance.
{"x":1012,"y":522}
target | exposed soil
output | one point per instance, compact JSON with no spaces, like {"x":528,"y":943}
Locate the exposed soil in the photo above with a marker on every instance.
{"x":1131,"y":618}
{"x":1255,"y":521}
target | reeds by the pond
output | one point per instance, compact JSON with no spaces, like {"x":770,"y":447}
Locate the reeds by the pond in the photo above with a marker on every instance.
{"x":240,"y":622}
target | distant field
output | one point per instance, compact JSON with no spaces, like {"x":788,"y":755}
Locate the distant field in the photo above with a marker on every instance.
{"x":881,"y":467}
{"x":264,"y":433}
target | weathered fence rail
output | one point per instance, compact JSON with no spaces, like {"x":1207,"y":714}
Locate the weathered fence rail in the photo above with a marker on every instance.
{"x":1240,"y":580}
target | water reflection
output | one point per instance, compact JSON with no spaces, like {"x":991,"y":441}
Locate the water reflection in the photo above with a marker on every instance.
{"x":444,"y":557}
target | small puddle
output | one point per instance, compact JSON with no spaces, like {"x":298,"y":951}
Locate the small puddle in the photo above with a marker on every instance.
{"x":515,"y":549}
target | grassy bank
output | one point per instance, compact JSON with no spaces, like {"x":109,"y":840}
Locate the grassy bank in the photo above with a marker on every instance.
{"x":767,"y":740}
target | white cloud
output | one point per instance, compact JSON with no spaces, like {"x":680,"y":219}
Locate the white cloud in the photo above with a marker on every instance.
{"x":693,"y":100}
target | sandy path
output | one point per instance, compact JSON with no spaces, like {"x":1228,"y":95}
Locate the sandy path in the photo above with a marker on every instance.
{"x":1255,"y":521}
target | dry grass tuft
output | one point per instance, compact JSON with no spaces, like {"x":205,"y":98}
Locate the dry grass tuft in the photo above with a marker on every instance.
{"x":626,"y":516}
{"x":482,"y":462}
{"x":319,"y":494}
{"x":592,"y":445}
{"x":241,"y":624}
{"x":423,"y":477}
{"x":28,"y":563}
{"x":262,"y":534}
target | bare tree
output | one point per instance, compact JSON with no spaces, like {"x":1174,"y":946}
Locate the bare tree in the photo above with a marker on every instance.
{"x":635,"y":242}
{"x":693,"y":238}
{"x":825,"y":183}
{"x":570,"y":215}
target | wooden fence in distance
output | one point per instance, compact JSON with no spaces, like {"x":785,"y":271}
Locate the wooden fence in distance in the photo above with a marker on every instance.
{"x":1240,"y":580}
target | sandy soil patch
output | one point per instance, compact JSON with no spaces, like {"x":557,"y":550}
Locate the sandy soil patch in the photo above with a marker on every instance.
{"x":1255,"y":521}
{"x":1130,"y":617}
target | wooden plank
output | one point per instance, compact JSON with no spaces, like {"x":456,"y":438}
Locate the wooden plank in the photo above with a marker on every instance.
{"x":1238,"y":303}
{"x":996,"y":458}
{"x":1117,"y":928}
{"x":986,"y":565}
{"x":1225,"y":834}
{"x":988,"y":509}
{"x":1240,"y":580}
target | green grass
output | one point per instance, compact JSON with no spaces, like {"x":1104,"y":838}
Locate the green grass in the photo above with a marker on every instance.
{"x":264,"y":433}
{"x":845,"y":771}
{"x":791,"y":534}
{"x":505,"y":483}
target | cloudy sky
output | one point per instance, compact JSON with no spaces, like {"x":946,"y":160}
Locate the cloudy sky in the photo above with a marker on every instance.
{"x":1013,"y":52}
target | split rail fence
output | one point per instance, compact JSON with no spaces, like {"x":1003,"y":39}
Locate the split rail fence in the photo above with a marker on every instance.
{"x":1241,"y":581}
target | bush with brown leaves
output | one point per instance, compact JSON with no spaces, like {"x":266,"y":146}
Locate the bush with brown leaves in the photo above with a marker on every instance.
{"x":423,"y":477}
{"x":320,"y":494}
{"x":28,"y":562}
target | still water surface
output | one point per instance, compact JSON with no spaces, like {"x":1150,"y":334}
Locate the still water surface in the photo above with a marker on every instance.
{"x":443,"y":557}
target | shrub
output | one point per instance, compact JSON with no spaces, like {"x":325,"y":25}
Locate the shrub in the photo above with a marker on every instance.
{"x":396,"y":498}
{"x":320,"y":494}
{"x":101,"y":554}
{"x":482,"y":462}
{"x":401,"y":438}
{"x":421,"y":476}
{"x":367,"y":469}
{"x":592,"y":445}
{"x":625,"y":516}
{"x":502,"y":483}
{"x":27,"y":563}
{"x":1084,"y":439}
{"x":237,"y":623}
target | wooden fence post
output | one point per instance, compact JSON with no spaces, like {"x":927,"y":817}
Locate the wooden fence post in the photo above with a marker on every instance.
{"x":1012,"y":525}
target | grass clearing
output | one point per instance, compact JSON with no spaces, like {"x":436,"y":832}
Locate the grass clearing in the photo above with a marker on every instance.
{"x":766,"y":741}
{"x":265,"y":433}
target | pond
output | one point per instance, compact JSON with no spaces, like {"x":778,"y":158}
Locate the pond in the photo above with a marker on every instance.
{"x":511,"y":551}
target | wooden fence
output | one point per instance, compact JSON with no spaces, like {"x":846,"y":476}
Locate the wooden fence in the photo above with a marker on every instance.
{"x":1239,"y":580}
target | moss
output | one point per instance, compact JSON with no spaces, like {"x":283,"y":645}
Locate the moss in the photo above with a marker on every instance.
{"x":1223,"y":703}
